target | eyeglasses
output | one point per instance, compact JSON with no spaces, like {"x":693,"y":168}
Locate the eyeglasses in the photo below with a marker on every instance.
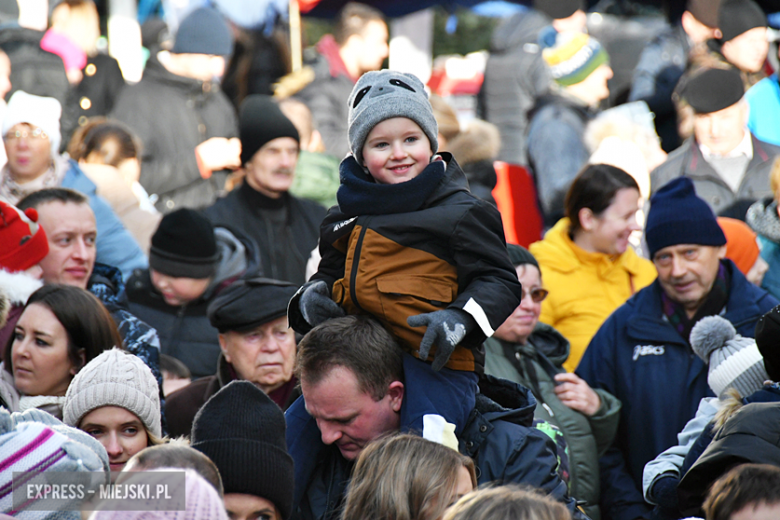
{"x":537,"y":295}
{"x":24,"y":134}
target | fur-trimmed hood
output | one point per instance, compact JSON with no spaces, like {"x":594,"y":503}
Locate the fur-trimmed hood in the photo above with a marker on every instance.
{"x":479,"y":141}
{"x":18,"y":286}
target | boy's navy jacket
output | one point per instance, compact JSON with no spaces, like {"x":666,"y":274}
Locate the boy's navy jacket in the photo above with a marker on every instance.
{"x":638,"y":357}
{"x":420,"y":254}
{"x":499,"y":436}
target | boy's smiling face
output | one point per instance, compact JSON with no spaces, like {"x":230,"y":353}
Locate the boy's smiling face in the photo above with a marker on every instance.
{"x":396,"y":151}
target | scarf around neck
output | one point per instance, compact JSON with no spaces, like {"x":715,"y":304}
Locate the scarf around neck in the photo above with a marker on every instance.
{"x":359,"y":194}
{"x":715,"y":302}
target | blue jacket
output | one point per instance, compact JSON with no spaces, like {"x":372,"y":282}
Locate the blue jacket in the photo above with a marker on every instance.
{"x":115,"y":245}
{"x":764,"y":101}
{"x":499,"y":436}
{"x":638,"y":357}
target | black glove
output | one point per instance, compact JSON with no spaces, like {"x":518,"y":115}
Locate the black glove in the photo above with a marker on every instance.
{"x":446,"y":329}
{"x":664,"y":490}
{"x":317,"y":306}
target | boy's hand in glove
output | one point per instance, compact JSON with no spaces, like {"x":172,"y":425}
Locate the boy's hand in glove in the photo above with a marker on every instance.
{"x":446,"y":329}
{"x":317,"y":306}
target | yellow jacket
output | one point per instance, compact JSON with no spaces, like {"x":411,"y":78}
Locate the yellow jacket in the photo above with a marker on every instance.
{"x":584,"y":287}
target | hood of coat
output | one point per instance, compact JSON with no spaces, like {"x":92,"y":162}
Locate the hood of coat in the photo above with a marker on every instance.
{"x":519,"y":30}
{"x":454,"y":181}
{"x":18,"y":286}
{"x":237,"y":255}
{"x":479,"y":141}
{"x":762,"y":217}
{"x":547,"y":341}
{"x":557,"y":251}
{"x":107,"y":284}
{"x":504,"y":400}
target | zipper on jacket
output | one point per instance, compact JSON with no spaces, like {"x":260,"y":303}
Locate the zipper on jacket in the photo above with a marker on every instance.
{"x":356,"y":263}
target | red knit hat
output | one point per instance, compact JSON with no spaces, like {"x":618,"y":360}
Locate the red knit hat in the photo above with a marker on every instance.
{"x":24,"y":242}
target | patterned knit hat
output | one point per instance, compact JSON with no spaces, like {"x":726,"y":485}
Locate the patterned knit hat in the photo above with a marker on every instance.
{"x":243,"y":432}
{"x":735,"y":362}
{"x":36,"y":441}
{"x":24,"y":241}
{"x":384,"y":94}
{"x":202,"y":501}
{"x":114,"y":378}
{"x":571,"y":56}
{"x":678,"y":216}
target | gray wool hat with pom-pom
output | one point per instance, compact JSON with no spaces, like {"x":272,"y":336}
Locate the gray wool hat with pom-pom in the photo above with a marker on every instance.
{"x":734,"y":361}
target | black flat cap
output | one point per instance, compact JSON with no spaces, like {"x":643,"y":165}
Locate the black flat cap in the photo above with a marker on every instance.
{"x":713,"y":89}
{"x":249,"y":303}
{"x":558,"y":9}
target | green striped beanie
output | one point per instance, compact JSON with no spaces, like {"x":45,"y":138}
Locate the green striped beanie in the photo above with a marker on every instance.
{"x":573,"y":57}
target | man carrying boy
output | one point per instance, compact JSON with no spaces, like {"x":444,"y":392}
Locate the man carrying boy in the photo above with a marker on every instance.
{"x":409,"y":245}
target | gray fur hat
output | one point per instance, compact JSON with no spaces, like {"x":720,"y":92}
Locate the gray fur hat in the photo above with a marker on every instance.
{"x":735,"y":361}
{"x":384,"y":94}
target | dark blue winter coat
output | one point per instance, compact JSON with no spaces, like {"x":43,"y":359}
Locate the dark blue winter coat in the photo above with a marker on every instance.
{"x":499,"y":436}
{"x":638,"y":357}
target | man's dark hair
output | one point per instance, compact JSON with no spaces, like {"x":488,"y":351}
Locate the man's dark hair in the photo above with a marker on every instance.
{"x":358,"y":343}
{"x":174,"y":367}
{"x":353,"y":19}
{"x":46,"y":195}
{"x":595,"y":188}
{"x":744,"y":486}
{"x":176,"y":455}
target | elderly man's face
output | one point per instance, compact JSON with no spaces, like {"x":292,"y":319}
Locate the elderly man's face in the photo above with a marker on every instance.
{"x":240,"y":506}
{"x":264,"y":355}
{"x":29,"y":152}
{"x":271,"y":170}
{"x":72,"y":234}
{"x":686,"y":272}
{"x":723,"y":130}
{"x":346,"y":415}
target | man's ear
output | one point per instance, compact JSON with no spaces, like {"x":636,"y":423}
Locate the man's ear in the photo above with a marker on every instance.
{"x":223,"y":347}
{"x":396,"y":393}
{"x":722,"y":252}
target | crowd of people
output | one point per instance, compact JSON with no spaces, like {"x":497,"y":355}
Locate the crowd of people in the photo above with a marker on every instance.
{"x":299,"y":295}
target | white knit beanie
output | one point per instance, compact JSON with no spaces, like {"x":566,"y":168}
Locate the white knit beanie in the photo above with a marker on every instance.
{"x":43,"y":112}
{"x":114,"y":378}
{"x":734,"y":361}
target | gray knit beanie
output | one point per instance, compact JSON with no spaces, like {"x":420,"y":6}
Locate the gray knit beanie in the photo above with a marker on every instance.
{"x":114,"y":378}
{"x":735,"y":362}
{"x":384,"y":94}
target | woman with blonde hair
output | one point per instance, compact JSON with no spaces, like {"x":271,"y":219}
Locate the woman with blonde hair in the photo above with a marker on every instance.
{"x":507,"y":503}
{"x":405,"y":477}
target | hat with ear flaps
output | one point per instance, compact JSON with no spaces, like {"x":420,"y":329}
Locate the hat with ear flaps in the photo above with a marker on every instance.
{"x":734,"y":361}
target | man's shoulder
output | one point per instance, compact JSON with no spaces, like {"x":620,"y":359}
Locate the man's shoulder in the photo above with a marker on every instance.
{"x":182,"y":405}
{"x":308,"y":207}
{"x":769,"y":149}
{"x":672,"y":167}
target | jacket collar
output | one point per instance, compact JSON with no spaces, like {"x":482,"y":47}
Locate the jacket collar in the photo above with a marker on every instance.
{"x":646,"y":323}
{"x":697,"y":165}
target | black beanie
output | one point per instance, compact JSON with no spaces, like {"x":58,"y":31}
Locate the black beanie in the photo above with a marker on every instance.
{"x":557,"y":9}
{"x":184,"y":245}
{"x":243,"y":432}
{"x":261,"y":120}
{"x":768,"y":342}
{"x":519,"y":255}
{"x":247,"y":304}
{"x":738,"y":16}
{"x":711,"y":90}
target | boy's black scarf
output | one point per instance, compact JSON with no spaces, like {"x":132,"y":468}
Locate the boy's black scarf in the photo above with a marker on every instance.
{"x":359,"y":194}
